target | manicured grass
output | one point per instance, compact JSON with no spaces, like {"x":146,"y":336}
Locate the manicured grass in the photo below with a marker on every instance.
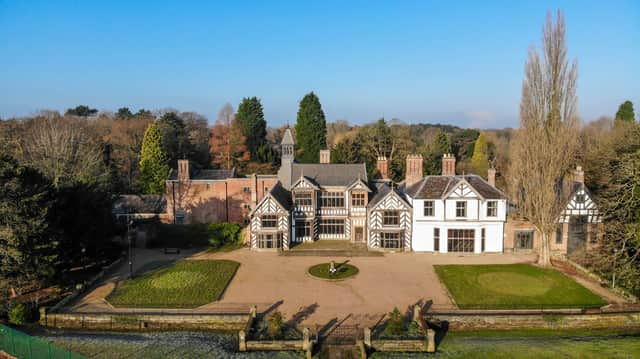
{"x":344,"y":271}
{"x":514,"y":286}
{"x":185,"y":284}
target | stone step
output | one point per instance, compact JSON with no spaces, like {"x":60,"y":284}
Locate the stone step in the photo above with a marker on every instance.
{"x":331,"y":253}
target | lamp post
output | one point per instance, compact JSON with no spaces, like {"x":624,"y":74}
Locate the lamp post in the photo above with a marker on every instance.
{"x":130,"y":240}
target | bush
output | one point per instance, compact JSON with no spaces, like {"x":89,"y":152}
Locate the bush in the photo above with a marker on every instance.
{"x":220,"y":234}
{"x":196,"y":235}
{"x":395,"y":325}
{"x":275,"y":325}
{"x":17,"y":314}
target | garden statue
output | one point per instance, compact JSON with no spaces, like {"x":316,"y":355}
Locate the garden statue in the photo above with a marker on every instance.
{"x":332,"y":268}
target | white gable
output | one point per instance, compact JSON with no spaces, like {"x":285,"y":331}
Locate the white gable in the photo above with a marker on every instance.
{"x":581,"y":204}
{"x":268,"y":205}
{"x":303,"y":183}
{"x":462,"y":190}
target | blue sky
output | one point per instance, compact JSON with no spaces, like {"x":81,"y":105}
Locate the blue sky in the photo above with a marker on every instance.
{"x":423,"y":61}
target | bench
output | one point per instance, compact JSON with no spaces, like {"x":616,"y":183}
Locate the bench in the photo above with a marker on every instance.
{"x":171,"y":250}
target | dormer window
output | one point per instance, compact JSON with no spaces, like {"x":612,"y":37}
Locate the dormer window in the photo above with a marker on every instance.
{"x":303,"y":199}
{"x":461,"y":209}
{"x":357,"y":200}
{"x":580,"y":198}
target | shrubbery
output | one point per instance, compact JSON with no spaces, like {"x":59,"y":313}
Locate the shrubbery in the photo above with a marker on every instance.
{"x":275,"y":326}
{"x":17,"y":314}
{"x":196,"y":235}
{"x":398,"y":326}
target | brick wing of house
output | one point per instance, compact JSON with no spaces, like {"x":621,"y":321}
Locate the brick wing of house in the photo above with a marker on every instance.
{"x":579,"y":224}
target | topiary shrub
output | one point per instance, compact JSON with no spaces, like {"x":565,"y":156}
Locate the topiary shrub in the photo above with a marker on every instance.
{"x":275,"y":326}
{"x":17,"y":314}
{"x":395,"y":324}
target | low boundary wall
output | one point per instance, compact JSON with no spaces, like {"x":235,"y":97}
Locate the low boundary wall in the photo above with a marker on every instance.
{"x":569,"y":319}
{"x":145,"y":321}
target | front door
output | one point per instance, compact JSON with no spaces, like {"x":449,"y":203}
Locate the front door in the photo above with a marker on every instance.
{"x":358,"y":234}
{"x":577,"y":234}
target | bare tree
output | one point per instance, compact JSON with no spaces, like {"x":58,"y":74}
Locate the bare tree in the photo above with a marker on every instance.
{"x":545,"y":145}
{"x":62,"y":149}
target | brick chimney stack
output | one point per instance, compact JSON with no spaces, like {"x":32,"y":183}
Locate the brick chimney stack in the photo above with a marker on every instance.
{"x":183,"y":170}
{"x":325,"y":156}
{"x":448,"y":164}
{"x":491,"y":176}
{"x":578,"y":174}
{"x":383,"y":167}
{"x":414,"y":169}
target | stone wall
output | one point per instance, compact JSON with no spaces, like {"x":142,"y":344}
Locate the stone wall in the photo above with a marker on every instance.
{"x":542,"y":320}
{"x":144,"y":322}
{"x":399,"y":345}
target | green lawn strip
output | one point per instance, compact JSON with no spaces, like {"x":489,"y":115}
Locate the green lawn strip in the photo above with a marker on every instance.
{"x":343,"y":271}
{"x":185,"y":284}
{"x":514,"y":286}
{"x":529,"y":333}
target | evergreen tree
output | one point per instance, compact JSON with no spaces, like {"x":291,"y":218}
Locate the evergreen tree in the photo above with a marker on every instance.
{"x":625,"y":112}
{"x":28,"y":246}
{"x":432,"y":153}
{"x":175,"y":138}
{"x":250,"y":117}
{"x":153,"y":161}
{"x":82,"y":111}
{"x":480,"y":158}
{"x":311,"y":129}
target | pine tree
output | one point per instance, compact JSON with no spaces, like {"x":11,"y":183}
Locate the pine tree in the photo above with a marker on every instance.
{"x":480,"y":159}
{"x":250,"y":117}
{"x":311,"y":129}
{"x":153,"y":161}
{"x":625,"y":112}
{"x":28,"y":245}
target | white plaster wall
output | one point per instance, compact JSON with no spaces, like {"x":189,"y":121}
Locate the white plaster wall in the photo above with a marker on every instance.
{"x":502,"y":211}
{"x":472,"y":210}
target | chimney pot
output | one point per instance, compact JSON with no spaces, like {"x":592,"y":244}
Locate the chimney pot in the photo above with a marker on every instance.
{"x":383,"y":167}
{"x":183,"y":170}
{"x":414,"y":169}
{"x":578,"y":174}
{"x":325,"y":156}
{"x":491,"y":176}
{"x":448,"y":164}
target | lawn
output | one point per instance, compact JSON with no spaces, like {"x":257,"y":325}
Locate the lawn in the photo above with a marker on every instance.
{"x":185,"y":284}
{"x":343,"y":271}
{"x":514,"y":286}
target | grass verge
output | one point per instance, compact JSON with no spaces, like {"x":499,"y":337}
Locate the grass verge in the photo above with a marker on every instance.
{"x":185,"y":284}
{"x":514,"y":286}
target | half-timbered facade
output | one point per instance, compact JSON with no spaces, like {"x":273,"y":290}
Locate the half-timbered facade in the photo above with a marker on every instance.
{"x":270,"y":220}
{"x":390,"y":219}
{"x":579,"y":224}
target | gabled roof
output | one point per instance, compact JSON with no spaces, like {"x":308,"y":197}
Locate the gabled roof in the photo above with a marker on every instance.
{"x":358,"y":183}
{"x":204,"y":175}
{"x":381,"y":191}
{"x":330,"y":174}
{"x":436,"y":187}
{"x":281,"y":195}
{"x":306,"y":179}
{"x":278,"y":194}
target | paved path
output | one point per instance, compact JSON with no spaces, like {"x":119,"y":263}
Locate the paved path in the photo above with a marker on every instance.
{"x":395,"y":280}
{"x":94,"y":300}
{"x":281,"y":283}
